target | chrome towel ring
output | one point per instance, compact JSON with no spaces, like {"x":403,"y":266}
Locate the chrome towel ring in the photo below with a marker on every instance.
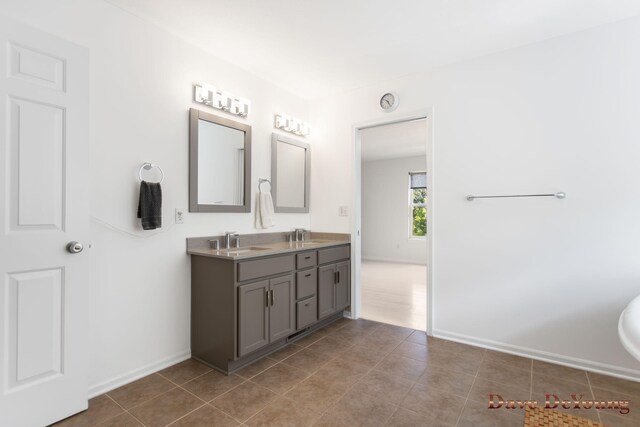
{"x":148,"y":166}
{"x":261,"y":181}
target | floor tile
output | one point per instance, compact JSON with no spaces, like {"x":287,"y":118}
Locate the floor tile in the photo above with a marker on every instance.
{"x":543,"y":384}
{"x":256,"y":367}
{"x":617,"y":420}
{"x":184,"y":371}
{"x":283,"y":413}
{"x":206,"y":416}
{"x":166,"y":408}
{"x":393,"y":331}
{"x":285,"y":352}
{"x":330,"y":346}
{"x":123,"y":420}
{"x":307,"y":360}
{"x":468,"y":363}
{"x":505,"y":374}
{"x":483,"y":388}
{"x":383,"y":386}
{"x":447,"y":380}
{"x":309,"y":339}
{"x":614,"y":384}
{"x":379,"y":342}
{"x":355,"y":409}
{"x":342,"y":371}
{"x":559,"y":371}
{"x":460,"y":348}
{"x":607,"y":397}
{"x":411,"y":350}
{"x":418,"y":337}
{"x":438,"y":406}
{"x":100,"y":409}
{"x":476,"y":414}
{"x":327,"y":420}
{"x":363,"y":355}
{"x":211,"y":385}
{"x":140,"y":391}
{"x":244,"y":401}
{"x":402,"y":366}
{"x":280,"y":378}
{"x":508,"y":359}
{"x":330,"y":328}
{"x":407,"y":418}
{"x":315,"y":393}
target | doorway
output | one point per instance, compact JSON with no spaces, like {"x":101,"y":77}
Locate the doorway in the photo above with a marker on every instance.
{"x":393,"y":222}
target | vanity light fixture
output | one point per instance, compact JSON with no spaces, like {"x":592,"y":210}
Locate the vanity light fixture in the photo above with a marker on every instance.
{"x":293,"y":125}
{"x":222,"y":100}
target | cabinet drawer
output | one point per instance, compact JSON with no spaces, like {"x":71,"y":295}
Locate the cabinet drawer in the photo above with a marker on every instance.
{"x":306,"y":260}
{"x":307,"y":312}
{"x":248,"y":270}
{"x":306,"y":283}
{"x":333,"y":254}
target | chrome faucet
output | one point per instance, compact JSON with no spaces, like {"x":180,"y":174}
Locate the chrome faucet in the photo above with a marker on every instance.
{"x":299,"y":232}
{"x":227,"y":239}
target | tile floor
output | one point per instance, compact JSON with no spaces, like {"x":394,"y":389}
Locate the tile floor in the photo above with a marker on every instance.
{"x":355,"y":373}
{"x":395,"y":293}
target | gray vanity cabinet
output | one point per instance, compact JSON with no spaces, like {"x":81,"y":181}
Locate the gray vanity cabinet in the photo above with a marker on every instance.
{"x":266,"y":313}
{"x":245,"y":309}
{"x":333,"y":281}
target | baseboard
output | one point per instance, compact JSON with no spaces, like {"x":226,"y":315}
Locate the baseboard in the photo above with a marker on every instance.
{"x":136,"y":374}
{"x":572,"y":362}
{"x":396,"y":261}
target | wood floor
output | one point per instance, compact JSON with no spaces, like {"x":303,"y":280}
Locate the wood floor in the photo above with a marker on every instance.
{"x":395,"y":293}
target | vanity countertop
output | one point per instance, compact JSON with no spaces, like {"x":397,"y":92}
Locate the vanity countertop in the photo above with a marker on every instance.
{"x":261,"y":249}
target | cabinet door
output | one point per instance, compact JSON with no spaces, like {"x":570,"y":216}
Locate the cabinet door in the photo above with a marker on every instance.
{"x":282,"y":321}
{"x":326,"y":291}
{"x":342,"y":285}
{"x":253,"y":320}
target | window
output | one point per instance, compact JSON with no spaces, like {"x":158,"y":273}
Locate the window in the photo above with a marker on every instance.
{"x":418,"y":204}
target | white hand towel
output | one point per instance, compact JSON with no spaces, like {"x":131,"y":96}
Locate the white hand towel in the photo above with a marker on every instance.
{"x":264,"y":210}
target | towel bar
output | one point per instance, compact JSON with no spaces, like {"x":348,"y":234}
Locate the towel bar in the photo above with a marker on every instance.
{"x":559,"y":195}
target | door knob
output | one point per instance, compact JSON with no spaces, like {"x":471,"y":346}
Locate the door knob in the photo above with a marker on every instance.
{"x":75,"y":247}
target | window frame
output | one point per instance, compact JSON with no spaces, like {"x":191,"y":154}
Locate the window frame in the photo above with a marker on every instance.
{"x":416,"y":205}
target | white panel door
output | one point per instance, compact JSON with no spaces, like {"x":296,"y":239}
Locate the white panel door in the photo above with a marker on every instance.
{"x":44,"y":138}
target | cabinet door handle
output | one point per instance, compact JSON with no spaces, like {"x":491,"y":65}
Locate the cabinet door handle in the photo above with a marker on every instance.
{"x":338,"y":277}
{"x":273,"y":300}
{"x":267,"y":297}
{"x":335,"y":277}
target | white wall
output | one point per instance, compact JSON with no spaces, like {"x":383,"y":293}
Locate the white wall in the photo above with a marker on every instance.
{"x":141,"y":90}
{"x":385,"y":210}
{"x":544,"y":277}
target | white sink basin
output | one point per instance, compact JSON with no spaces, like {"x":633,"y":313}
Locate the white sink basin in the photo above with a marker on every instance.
{"x":629,"y":328}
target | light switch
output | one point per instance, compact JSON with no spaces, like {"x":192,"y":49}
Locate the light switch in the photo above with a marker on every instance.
{"x":343,"y":211}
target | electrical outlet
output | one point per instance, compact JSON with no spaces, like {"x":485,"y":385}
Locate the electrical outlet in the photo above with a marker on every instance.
{"x":179,"y":216}
{"x":343,"y":211}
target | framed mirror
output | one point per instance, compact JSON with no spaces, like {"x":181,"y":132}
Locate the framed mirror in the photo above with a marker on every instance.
{"x":219,"y":164}
{"x":290,"y":173}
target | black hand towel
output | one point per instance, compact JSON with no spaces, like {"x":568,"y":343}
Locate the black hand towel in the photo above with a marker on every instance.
{"x":150,"y":205}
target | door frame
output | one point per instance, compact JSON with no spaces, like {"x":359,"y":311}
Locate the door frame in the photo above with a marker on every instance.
{"x":356,"y":219}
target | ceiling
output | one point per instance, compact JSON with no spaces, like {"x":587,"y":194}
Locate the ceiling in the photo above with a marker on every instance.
{"x":397,"y":140}
{"x":315,"y":48}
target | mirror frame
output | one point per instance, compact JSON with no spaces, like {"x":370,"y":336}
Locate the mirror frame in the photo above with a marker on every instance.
{"x":275,"y":139}
{"x":195,"y":116}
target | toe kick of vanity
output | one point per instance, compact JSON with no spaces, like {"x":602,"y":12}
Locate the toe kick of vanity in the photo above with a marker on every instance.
{"x":245,"y":309}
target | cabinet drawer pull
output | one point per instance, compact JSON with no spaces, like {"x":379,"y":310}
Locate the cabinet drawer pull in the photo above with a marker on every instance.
{"x":307,"y":275}
{"x":307,"y":304}
{"x":307,"y":257}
